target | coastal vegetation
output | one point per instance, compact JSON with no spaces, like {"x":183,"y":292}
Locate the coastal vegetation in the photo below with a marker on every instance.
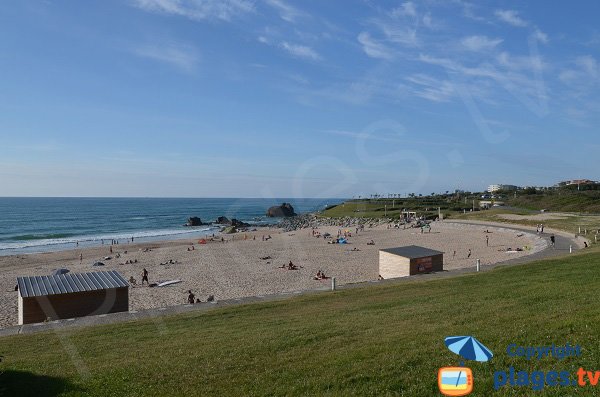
{"x":579,"y":210}
{"x":385,"y":339}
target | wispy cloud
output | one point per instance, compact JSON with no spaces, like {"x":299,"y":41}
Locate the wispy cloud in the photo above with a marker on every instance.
{"x":182,"y":57}
{"x":479,"y":43}
{"x":197,"y":9}
{"x":511,"y":17}
{"x":287,"y":12}
{"x":399,"y":34}
{"x":586,"y":71}
{"x":405,"y":9}
{"x":540,"y":36}
{"x":300,"y":51}
{"x":432,"y":88}
{"x":373,"y":48}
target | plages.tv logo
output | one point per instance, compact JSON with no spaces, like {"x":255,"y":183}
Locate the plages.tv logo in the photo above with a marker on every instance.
{"x":458,"y":381}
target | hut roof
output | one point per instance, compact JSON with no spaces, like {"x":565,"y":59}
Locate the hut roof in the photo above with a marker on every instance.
{"x":69,"y":283}
{"x":412,"y":251}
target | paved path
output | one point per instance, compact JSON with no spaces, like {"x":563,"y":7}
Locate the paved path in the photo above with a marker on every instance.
{"x":563,"y":241}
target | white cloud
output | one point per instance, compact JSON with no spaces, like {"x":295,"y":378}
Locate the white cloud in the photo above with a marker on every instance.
{"x":540,"y":36}
{"x":405,"y":9}
{"x":373,"y":48}
{"x":427,"y":22}
{"x":286,"y":11}
{"x":431,"y":88}
{"x":181,"y":57}
{"x":480,"y":43}
{"x":197,"y":9}
{"x":511,"y":17}
{"x":584,"y":75}
{"x":401,"y":35}
{"x":532,"y":62}
{"x":300,"y":51}
{"x":588,"y":64}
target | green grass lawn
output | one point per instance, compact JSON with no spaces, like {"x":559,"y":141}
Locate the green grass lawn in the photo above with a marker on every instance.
{"x":569,"y":222}
{"x":384,"y":340}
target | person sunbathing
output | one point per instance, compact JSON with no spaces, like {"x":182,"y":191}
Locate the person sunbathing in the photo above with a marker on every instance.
{"x":291,"y":266}
{"x":371,"y":242}
{"x":354,"y":249}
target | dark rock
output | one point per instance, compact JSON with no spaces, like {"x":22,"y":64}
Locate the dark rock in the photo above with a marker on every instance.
{"x":236,"y":223}
{"x":223,"y":220}
{"x":281,"y":211}
{"x":194,"y":221}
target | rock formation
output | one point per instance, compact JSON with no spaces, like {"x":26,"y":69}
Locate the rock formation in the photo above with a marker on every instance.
{"x":281,"y":211}
{"x":193,"y":221}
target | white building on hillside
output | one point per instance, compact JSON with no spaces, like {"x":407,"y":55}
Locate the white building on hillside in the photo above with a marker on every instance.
{"x":495,"y":188}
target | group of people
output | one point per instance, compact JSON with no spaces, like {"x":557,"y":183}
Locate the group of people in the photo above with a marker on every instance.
{"x":133,"y":281}
{"x":192,"y":298}
{"x":289,"y":266}
{"x":540,"y":228}
{"x":320,"y":276}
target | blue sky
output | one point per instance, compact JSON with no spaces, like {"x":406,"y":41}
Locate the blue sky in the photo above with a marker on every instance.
{"x":240,"y":98}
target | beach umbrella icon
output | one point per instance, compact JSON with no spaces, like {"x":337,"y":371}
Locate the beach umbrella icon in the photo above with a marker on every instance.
{"x":469,"y":348}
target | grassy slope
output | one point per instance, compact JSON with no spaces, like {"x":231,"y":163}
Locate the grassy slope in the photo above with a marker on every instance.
{"x":377,"y":208}
{"x":569,"y":223}
{"x":560,"y":200}
{"x":381,"y":340}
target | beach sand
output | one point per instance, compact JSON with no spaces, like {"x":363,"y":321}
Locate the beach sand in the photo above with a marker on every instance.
{"x":233,"y":269}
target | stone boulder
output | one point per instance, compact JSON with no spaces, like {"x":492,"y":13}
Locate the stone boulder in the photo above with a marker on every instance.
{"x":223,"y":220}
{"x":236,"y":223}
{"x":194,"y":221}
{"x":281,"y":211}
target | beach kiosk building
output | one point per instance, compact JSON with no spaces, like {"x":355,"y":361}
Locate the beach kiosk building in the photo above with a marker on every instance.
{"x":71,"y":295}
{"x":408,"y":261}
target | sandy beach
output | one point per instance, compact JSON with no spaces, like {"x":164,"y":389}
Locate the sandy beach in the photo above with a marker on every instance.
{"x":234,"y":269}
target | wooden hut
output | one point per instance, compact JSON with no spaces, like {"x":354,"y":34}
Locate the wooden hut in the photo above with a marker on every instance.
{"x":408,"y":261}
{"x":71,"y":295}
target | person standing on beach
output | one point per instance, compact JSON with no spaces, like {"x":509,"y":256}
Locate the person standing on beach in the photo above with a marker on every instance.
{"x":80,"y":259}
{"x":145,"y":276}
{"x":552,"y":240}
{"x":191,"y":297}
{"x":469,"y":254}
{"x":487,"y":241}
{"x":111,"y":249}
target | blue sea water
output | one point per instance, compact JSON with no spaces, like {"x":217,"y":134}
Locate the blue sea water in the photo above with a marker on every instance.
{"x":50,"y":224}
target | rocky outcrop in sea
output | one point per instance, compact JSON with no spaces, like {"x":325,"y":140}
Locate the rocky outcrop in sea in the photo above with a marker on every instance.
{"x":281,"y":211}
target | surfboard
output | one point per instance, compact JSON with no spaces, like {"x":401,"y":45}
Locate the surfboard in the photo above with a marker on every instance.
{"x":169,"y":282}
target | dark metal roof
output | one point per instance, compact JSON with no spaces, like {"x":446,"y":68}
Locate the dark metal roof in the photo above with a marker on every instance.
{"x":412,"y":251}
{"x":69,"y":283}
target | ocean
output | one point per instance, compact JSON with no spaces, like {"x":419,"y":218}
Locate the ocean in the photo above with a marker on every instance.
{"x":29,"y":225}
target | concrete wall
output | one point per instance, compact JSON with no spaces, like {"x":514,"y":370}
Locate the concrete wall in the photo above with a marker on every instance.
{"x":392,"y":266}
{"x":54,"y":307}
